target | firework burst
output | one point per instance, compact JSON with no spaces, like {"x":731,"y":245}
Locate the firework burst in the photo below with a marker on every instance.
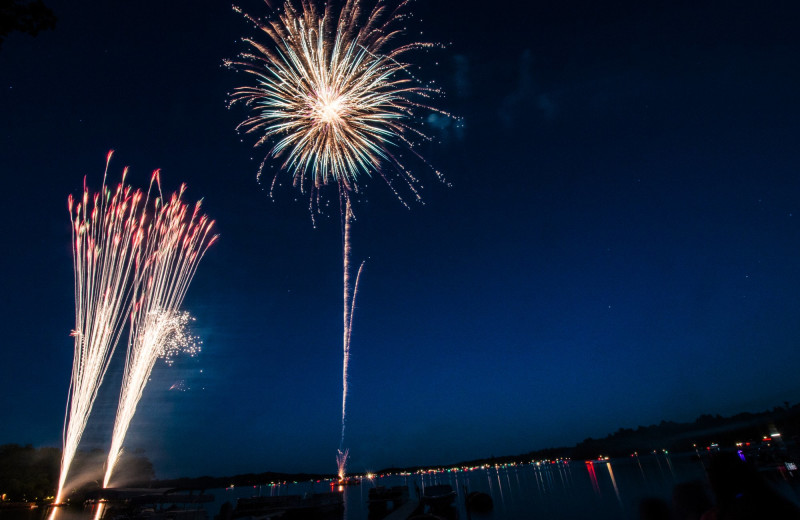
{"x":175,"y":242}
{"x":341,"y":462}
{"x":106,"y":238}
{"x":180,"y":340}
{"x":332,"y":97}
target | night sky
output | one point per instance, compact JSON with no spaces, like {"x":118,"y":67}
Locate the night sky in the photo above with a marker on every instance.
{"x":619,"y":244}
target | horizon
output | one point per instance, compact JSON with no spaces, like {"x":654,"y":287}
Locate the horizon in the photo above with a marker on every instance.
{"x":421,"y":467}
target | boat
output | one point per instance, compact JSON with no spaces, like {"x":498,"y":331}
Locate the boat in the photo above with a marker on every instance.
{"x":319,"y":505}
{"x":17,"y":506}
{"x":381,"y":498}
{"x":150,"y":504}
{"x":439,"y":496}
{"x":347,"y":481}
{"x":261,"y":507}
{"x":479,"y":502}
{"x":310,"y":506}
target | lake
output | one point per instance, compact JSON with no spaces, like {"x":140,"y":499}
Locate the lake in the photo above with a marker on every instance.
{"x":566,"y":490}
{"x":601,"y":490}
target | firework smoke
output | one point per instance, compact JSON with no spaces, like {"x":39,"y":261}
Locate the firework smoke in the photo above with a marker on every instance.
{"x":176,"y":241}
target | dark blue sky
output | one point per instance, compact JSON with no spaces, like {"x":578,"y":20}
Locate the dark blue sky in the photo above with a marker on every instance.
{"x":619,"y":245}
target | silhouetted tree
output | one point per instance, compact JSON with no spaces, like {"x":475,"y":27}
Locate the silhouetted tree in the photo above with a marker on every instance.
{"x":28,"y":17}
{"x":27,"y":473}
{"x":31,"y":474}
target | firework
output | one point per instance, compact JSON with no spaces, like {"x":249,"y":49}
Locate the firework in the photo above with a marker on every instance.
{"x":106,"y":237}
{"x":333,"y":97}
{"x":175,"y":242}
{"x":179,"y":340}
{"x":341,"y":462}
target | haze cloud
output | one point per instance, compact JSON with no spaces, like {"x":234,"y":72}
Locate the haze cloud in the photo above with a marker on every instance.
{"x":524,"y":100}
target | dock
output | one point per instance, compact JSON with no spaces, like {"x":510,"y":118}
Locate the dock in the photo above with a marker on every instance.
{"x":404,"y":511}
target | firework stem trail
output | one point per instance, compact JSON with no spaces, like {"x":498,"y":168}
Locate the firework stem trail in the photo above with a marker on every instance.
{"x":349,"y":304}
{"x":105,"y":241}
{"x":333,"y":98}
{"x":346,"y":312}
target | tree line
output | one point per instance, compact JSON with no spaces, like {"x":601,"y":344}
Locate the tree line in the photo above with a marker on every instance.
{"x":29,"y":474}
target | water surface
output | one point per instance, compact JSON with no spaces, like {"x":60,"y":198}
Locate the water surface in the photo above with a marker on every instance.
{"x":602,"y":490}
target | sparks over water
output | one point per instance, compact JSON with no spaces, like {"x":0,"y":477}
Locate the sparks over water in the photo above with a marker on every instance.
{"x":341,"y":462}
{"x":335,"y":100}
{"x":175,"y":242}
{"x":106,"y":237}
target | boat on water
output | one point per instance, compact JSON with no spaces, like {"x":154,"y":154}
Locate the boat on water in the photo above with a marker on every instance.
{"x":150,"y":504}
{"x":381,"y":498}
{"x":438,"y":496}
{"x":17,"y":506}
{"x":479,"y":502}
{"x":264,"y":507}
{"x":347,"y":481}
{"x":294,"y":507}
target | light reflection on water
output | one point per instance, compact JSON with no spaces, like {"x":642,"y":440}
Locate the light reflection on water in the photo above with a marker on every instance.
{"x":600,"y":490}
{"x":606,"y":490}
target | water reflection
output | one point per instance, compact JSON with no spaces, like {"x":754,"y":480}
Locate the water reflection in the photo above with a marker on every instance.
{"x":500,"y":488}
{"x":614,"y":483}
{"x":660,"y":468}
{"x":593,"y":477}
{"x":669,"y":463}
{"x":600,"y":490}
{"x":639,"y":463}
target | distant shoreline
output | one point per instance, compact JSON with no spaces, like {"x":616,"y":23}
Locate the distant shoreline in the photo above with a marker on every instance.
{"x":30,"y":474}
{"x":699,"y":434}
